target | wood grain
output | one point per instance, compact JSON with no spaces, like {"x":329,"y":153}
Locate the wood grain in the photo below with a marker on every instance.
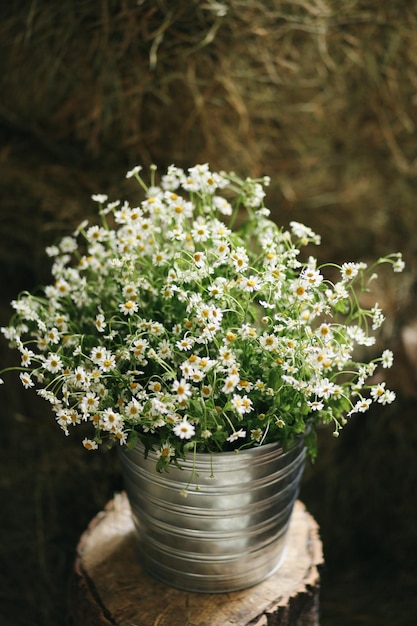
{"x":110,"y":587}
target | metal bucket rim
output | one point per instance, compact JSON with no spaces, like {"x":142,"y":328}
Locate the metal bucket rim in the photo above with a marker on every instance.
{"x":202,"y":459}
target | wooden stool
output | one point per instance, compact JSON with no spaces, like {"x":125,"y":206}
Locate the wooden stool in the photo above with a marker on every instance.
{"x":109,"y":586}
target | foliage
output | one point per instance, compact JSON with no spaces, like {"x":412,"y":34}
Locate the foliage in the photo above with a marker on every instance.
{"x":189,"y":325}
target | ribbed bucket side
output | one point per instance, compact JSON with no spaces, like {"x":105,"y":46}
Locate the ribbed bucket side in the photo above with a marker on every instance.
{"x":227,"y":535}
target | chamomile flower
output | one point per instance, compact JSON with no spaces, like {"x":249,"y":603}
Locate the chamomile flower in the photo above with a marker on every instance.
{"x":26,"y":380}
{"x":242,"y":404}
{"x":100,"y":322}
{"x":166,"y":451}
{"x":268,"y":342}
{"x":300,"y":289}
{"x":206,"y":391}
{"x":237,"y":434}
{"x":89,"y":403}
{"x":312,"y":276}
{"x":378,"y":391}
{"x":90,"y":444}
{"x":53,"y":363}
{"x":133,"y":172}
{"x":387,"y":397}
{"x":99,"y":197}
{"x":324,"y":388}
{"x":398,"y":265}
{"x":110,"y":420}
{"x":222,"y":205}
{"x":185,"y":344}
{"x":387,"y":359}
{"x":349,"y":271}
{"x":155,"y":386}
{"x":377,"y":317}
{"x":361,"y":406}
{"x":108,"y":362}
{"x":256,"y":434}
{"x":200,"y":231}
{"x":26,"y":357}
{"x":184,"y":429}
{"x":139,"y":348}
{"x":316,"y":405}
{"x":251,"y":283}
{"x":230,"y":383}
{"x":133,"y":409}
{"x":129,"y":307}
{"x":182,"y":389}
{"x":240,"y":259}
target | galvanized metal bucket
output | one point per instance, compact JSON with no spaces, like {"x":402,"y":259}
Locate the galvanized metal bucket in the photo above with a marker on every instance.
{"x":227,"y":535}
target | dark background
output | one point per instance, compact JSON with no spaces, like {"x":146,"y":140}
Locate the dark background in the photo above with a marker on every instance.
{"x":322,"y":96}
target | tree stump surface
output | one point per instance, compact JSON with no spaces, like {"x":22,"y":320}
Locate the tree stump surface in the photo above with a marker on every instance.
{"x":110,"y":587}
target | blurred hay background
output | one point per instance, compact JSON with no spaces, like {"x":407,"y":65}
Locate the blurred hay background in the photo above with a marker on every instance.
{"x":319,"y":94}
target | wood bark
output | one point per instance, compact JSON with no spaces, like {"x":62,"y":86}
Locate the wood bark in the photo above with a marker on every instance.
{"x":110,"y":588}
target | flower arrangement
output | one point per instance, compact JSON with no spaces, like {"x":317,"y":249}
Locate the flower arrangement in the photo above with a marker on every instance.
{"x":190,"y":322}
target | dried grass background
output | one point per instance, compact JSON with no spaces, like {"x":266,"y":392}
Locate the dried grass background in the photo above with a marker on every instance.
{"x":319,"y":94}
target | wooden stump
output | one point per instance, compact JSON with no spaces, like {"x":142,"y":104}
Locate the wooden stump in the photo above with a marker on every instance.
{"x":109,"y":586}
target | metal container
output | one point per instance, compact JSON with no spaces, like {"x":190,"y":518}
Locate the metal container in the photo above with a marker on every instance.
{"x":225,"y":535}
